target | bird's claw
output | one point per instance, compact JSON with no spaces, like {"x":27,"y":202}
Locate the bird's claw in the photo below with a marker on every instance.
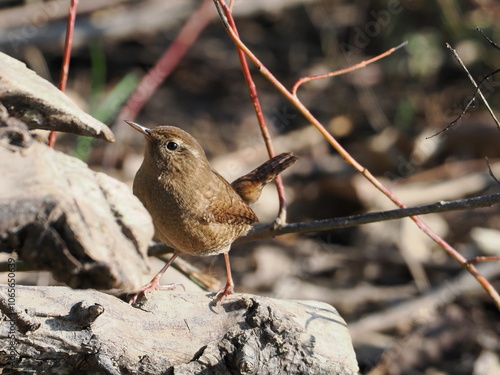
{"x":223,"y":293}
{"x":152,"y":286}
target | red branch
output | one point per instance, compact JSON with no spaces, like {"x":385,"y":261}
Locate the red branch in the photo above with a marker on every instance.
{"x":66,"y":58}
{"x":482,"y":259}
{"x":359,"y":65}
{"x":167,"y":62}
{"x":281,"y":218}
{"x":225,"y":17}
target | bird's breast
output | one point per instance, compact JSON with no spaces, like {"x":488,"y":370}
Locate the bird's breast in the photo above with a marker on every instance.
{"x":178,"y":210}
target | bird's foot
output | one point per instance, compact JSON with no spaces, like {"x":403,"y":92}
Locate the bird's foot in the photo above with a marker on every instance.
{"x":223,"y":293}
{"x":152,"y":286}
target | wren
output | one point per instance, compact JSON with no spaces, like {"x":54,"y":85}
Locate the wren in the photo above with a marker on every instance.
{"x":194,"y":209}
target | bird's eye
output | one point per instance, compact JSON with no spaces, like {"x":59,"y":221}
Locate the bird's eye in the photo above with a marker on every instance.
{"x":172,"y":146}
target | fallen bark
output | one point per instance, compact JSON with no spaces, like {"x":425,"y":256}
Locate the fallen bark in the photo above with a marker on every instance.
{"x":76,"y":332}
{"x":40,"y":105}
{"x":87,"y":228}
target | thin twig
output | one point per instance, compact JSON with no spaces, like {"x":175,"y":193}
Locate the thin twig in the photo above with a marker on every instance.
{"x":477,"y":86}
{"x":68,"y":44}
{"x":200,"y":278}
{"x":359,"y":65}
{"x":189,"y":33}
{"x":452,"y":124}
{"x":165,"y":65}
{"x":488,"y":39}
{"x":269,"y":230}
{"x":467,"y":106}
{"x":353,"y":162}
{"x":482,"y":259}
{"x":281,"y":217}
{"x":492,"y":175}
{"x":455,"y":54}
{"x":266,"y":231}
{"x":66,"y":58}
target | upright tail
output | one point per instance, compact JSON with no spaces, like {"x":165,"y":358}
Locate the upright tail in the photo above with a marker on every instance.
{"x":250,"y":185}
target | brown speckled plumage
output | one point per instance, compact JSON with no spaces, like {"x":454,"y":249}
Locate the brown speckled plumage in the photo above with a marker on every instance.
{"x":250,"y":185}
{"x":194,"y":209}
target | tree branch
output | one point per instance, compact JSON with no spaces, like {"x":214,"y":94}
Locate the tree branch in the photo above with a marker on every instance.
{"x":264,"y":231}
{"x":225,"y":16}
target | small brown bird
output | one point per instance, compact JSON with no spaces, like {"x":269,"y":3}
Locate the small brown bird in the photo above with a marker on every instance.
{"x":194,"y":209}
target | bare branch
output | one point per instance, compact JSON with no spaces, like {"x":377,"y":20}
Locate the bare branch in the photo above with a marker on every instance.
{"x":66,"y":58}
{"x":483,"y":259}
{"x":360,"y":65}
{"x":266,"y":231}
{"x":269,"y":230}
{"x":455,"y":54}
{"x":491,"y":171}
{"x":494,"y":45}
{"x":349,"y":158}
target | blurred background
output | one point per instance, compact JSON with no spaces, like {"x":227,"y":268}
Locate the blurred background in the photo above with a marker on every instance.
{"x":409,"y":306}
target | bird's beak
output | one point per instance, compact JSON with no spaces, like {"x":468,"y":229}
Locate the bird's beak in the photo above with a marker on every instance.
{"x":140,"y":128}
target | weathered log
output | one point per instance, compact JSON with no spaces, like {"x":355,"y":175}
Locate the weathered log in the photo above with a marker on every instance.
{"x":87,"y":228}
{"x":77,"y":332}
{"x":41,"y":105}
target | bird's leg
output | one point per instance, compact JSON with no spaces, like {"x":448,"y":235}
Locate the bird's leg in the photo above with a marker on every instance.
{"x":229,"y":288}
{"x":154,"y":284}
